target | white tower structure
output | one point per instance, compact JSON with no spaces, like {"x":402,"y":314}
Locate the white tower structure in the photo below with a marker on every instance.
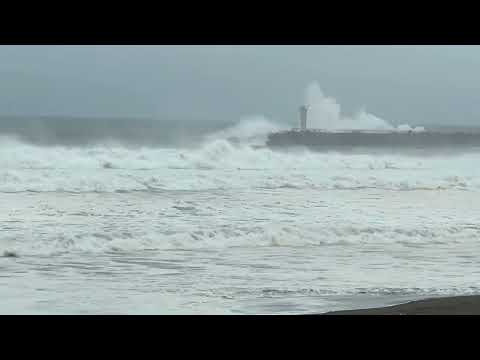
{"x":303,"y":117}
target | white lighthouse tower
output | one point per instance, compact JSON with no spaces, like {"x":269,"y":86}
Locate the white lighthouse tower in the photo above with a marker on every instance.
{"x":303,"y":117}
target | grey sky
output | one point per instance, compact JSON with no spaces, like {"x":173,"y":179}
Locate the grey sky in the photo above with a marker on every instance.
{"x":402,"y":84}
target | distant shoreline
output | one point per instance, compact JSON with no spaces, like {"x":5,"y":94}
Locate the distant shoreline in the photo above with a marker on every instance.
{"x":455,"y":305}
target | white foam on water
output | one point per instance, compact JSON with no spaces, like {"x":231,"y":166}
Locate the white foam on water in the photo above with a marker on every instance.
{"x":219,"y":164}
{"x":61,"y":241}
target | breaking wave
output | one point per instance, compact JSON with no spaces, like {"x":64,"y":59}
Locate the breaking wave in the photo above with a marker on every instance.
{"x":219,"y":164}
{"x":230,"y":237}
{"x":251,"y":130}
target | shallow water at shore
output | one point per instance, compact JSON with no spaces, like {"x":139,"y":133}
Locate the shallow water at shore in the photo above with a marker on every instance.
{"x":280,"y":252}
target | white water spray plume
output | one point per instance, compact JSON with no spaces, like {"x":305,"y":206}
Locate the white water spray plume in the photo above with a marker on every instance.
{"x":325,"y":113}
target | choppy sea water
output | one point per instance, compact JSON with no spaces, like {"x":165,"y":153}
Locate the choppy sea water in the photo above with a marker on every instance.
{"x":227,"y":229}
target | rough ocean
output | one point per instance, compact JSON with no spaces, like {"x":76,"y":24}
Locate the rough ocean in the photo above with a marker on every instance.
{"x":223,"y":228}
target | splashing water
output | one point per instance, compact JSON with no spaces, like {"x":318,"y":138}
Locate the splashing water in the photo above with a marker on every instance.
{"x":250,"y":130}
{"x":325,"y":113}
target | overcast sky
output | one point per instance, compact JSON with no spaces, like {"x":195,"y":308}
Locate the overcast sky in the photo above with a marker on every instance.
{"x":402,"y":84}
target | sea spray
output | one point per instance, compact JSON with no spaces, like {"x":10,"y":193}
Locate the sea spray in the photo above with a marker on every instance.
{"x":325,"y":113}
{"x":249,"y":130}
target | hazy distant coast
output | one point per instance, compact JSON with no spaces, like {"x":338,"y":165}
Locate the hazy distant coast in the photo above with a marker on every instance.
{"x":82,"y":131}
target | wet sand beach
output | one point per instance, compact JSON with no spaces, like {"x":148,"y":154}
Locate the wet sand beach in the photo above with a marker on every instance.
{"x":458,"y":305}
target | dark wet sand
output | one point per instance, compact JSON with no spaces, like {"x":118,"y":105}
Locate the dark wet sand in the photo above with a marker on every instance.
{"x":458,"y":305}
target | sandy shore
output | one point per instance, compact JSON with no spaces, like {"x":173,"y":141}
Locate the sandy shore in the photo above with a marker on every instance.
{"x":458,"y":305}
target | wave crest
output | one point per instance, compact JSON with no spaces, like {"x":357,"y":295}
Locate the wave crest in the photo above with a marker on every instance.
{"x":240,"y":237}
{"x":221,"y":164}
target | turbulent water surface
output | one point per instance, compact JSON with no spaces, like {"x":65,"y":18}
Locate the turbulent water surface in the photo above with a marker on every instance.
{"x":225,"y":228}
